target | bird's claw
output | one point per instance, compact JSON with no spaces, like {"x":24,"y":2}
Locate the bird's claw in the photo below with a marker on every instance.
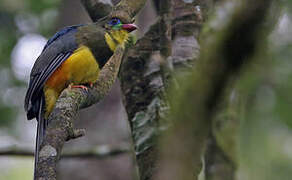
{"x":79,"y":86}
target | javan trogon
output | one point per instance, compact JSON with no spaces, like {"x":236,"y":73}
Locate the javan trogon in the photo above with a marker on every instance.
{"x":72,"y":57}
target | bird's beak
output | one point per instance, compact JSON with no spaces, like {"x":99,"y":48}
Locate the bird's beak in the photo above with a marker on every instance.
{"x":129,"y":27}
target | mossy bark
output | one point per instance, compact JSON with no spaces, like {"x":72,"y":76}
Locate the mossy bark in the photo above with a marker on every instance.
{"x":169,"y":46}
{"x":97,"y":9}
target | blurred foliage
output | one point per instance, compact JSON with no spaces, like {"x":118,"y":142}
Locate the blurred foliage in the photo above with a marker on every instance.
{"x":253,"y":127}
{"x":18,"y":18}
{"x":22,"y":169}
{"x":265,"y":113}
{"x":39,"y":6}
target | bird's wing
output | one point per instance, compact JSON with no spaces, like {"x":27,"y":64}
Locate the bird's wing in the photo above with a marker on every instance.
{"x":56,"y":51}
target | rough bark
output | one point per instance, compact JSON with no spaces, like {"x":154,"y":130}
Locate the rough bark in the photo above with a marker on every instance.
{"x":142,"y":99}
{"x":97,"y":9}
{"x":223,"y":55}
{"x":169,"y":45}
{"x":128,"y":9}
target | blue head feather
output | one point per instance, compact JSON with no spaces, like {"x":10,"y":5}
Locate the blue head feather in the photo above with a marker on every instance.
{"x":114,"y":21}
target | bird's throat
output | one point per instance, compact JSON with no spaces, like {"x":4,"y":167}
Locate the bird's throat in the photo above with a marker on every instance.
{"x":115,"y":38}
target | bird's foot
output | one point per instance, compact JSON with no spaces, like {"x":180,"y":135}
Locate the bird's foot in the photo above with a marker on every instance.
{"x":78,"y":86}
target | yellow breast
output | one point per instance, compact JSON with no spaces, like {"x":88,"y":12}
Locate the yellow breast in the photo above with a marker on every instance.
{"x":80,"y":68}
{"x":115,"y":38}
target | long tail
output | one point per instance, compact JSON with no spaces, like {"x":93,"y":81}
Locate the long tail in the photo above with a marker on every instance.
{"x":41,"y":128}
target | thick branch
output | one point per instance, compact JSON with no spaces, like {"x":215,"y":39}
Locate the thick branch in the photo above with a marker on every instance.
{"x":222,"y":57}
{"x":125,"y":9}
{"x":128,"y":9}
{"x":144,"y":78}
{"x":165,"y":31}
{"x":61,"y":120}
{"x":97,"y":9}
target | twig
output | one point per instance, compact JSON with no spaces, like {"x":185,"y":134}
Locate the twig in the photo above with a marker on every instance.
{"x":99,"y":152}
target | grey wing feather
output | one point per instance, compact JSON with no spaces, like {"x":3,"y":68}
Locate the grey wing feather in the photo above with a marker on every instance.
{"x":37,"y":82}
{"x":41,"y":126}
{"x":54,"y":54}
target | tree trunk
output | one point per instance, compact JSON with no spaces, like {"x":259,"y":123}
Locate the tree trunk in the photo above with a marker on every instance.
{"x":145,"y":75}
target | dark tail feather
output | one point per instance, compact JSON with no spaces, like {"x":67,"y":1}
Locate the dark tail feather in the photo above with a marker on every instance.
{"x":41,"y":127}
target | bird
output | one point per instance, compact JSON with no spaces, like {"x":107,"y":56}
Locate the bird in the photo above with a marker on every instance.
{"x":72,"y":58}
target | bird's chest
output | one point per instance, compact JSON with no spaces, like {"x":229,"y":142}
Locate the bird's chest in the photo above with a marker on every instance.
{"x":80,"y":68}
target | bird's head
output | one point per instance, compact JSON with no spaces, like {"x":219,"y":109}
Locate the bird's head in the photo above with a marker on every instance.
{"x":117,"y":32}
{"x":117,"y":24}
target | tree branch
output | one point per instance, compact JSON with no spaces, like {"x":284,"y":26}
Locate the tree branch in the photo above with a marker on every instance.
{"x":125,"y":9}
{"x":99,"y":152}
{"x":144,"y":76}
{"x":97,"y":9}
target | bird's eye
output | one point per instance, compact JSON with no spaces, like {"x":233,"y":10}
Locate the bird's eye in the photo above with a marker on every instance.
{"x":114,"y":22}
